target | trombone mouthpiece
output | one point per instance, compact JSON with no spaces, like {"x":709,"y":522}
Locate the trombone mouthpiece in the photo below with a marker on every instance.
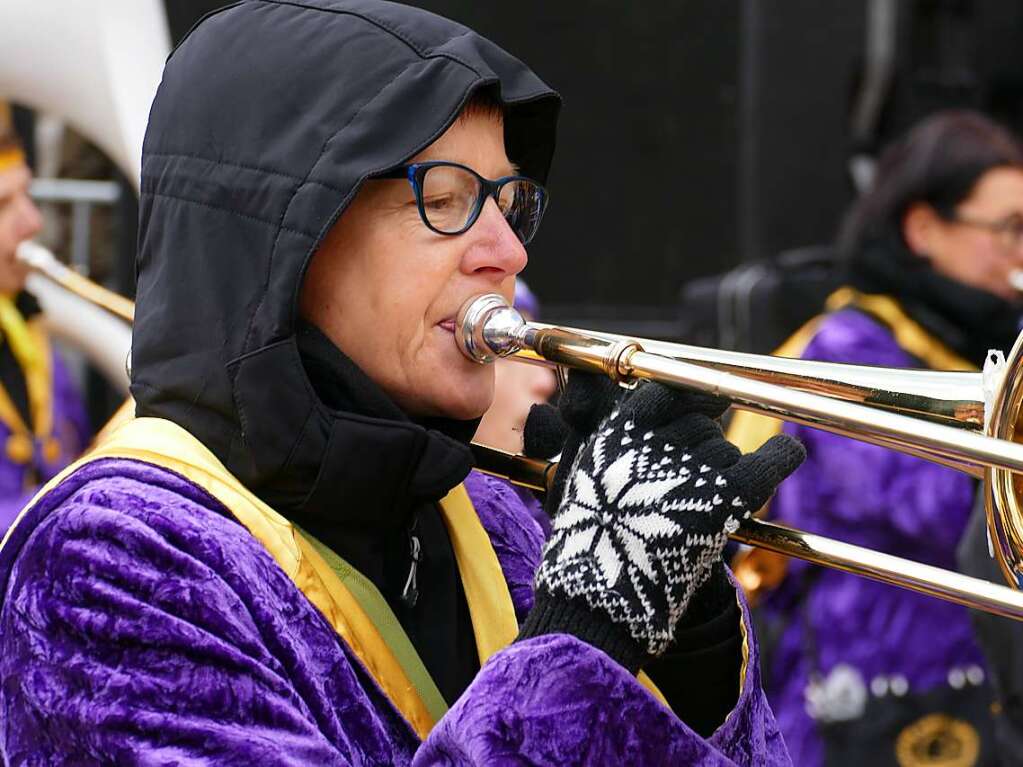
{"x":487,"y":328}
{"x":35,"y":256}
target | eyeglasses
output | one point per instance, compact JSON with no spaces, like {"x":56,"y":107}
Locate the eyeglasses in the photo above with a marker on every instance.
{"x":1008,"y":231}
{"x":450,"y":197}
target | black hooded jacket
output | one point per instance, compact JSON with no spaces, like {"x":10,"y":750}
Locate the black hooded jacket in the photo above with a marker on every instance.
{"x":269,"y":117}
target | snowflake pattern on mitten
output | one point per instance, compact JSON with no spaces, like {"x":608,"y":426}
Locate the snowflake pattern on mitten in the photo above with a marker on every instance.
{"x":641,"y":523}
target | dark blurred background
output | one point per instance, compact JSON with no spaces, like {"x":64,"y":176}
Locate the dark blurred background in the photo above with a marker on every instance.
{"x":702,"y":135}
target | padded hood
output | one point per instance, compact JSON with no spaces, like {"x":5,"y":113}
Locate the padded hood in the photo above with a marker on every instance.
{"x":269,"y":117}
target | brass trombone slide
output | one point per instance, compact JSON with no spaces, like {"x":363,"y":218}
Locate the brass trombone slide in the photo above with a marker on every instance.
{"x":487,"y":328}
{"x":618,"y":357}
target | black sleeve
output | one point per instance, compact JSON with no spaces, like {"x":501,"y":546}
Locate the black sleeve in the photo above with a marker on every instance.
{"x":699,"y":673}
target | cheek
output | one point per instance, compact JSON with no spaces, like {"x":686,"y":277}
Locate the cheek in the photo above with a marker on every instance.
{"x":432,"y":376}
{"x":991,"y":262}
{"x":979,"y":262}
{"x":969,"y":257}
{"x":409,"y":319}
{"x":6,"y":235}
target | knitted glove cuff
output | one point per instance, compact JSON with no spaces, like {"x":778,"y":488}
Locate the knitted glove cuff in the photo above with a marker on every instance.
{"x":712,"y":599}
{"x":556,"y":615}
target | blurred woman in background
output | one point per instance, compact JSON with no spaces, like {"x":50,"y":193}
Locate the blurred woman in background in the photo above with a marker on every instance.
{"x":864,"y":670}
{"x":43,"y":424}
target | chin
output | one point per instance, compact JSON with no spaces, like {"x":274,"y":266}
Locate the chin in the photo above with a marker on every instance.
{"x":465,"y":398}
{"x":466,"y":408}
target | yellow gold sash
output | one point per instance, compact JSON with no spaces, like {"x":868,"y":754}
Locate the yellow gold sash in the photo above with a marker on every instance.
{"x":166,"y":444}
{"x":31,"y":348}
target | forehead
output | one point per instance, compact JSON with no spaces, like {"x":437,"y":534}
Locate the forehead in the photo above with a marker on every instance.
{"x":1000,"y":190}
{"x":475,"y":139}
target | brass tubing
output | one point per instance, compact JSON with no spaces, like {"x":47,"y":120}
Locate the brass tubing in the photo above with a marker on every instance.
{"x":958,"y":448}
{"x":43,"y":262}
{"x":956,"y":422}
{"x":487,"y":328}
{"x":533,"y":473}
{"x":967,"y":451}
{"x":948,"y":397}
{"x":915,"y":576}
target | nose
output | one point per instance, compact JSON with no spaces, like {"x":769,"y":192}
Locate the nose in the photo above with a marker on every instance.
{"x":494,"y":251}
{"x":28,"y":220}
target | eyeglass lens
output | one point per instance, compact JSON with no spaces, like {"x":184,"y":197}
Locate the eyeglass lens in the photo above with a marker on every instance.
{"x":1012,"y":232}
{"x":450,"y":196}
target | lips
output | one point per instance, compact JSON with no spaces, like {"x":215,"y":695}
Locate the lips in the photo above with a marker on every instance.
{"x":448,"y":325}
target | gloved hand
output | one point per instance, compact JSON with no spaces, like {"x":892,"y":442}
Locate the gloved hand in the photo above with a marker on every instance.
{"x":588,"y":399}
{"x":549,"y":431}
{"x":646,"y":511}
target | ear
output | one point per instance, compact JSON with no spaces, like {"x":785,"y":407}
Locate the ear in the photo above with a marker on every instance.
{"x":920,"y":226}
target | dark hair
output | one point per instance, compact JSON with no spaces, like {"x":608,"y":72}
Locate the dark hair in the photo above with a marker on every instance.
{"x":483,"y":103}
{"x":938,"y":162}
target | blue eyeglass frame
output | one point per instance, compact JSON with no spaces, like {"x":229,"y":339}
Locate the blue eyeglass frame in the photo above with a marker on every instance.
{"x":415,"y":172}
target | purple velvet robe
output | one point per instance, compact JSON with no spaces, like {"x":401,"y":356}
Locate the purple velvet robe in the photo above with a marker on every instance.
{"x":887,"y":501}
{"x":141,"y":624}
{"x":71,"y":430}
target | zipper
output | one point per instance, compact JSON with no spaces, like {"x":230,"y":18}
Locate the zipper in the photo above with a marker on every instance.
{"x":410,"y":594}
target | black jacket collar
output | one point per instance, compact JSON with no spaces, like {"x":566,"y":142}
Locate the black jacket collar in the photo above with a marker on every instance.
{"x":398,"y":463}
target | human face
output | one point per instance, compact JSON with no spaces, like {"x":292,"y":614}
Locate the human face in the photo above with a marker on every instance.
{"x":518,"y":388}
{"x":19,"y":220}
{"x":969,"y":248}
{"x":385,"y":289}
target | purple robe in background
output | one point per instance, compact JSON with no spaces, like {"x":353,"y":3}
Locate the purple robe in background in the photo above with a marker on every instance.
{"x":141,"y":624}
{"x":70,"y":429}
{"x":884,"y":500}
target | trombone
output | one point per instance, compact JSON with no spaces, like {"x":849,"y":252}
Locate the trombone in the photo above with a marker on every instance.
{"x":954,"y":424}
{"x":963,"y":420}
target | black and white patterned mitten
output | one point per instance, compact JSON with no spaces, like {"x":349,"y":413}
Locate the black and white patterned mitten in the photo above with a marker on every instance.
{"x":550,"y":431}
{"x":586,"y":401}
{"x":646,"y":511}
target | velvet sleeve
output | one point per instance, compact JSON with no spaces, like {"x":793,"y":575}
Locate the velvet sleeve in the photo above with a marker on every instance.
{"x":555,"y":700}
{"x":136,"y":629}
{"x":866,"y":494}
{"x":140,"y":626}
